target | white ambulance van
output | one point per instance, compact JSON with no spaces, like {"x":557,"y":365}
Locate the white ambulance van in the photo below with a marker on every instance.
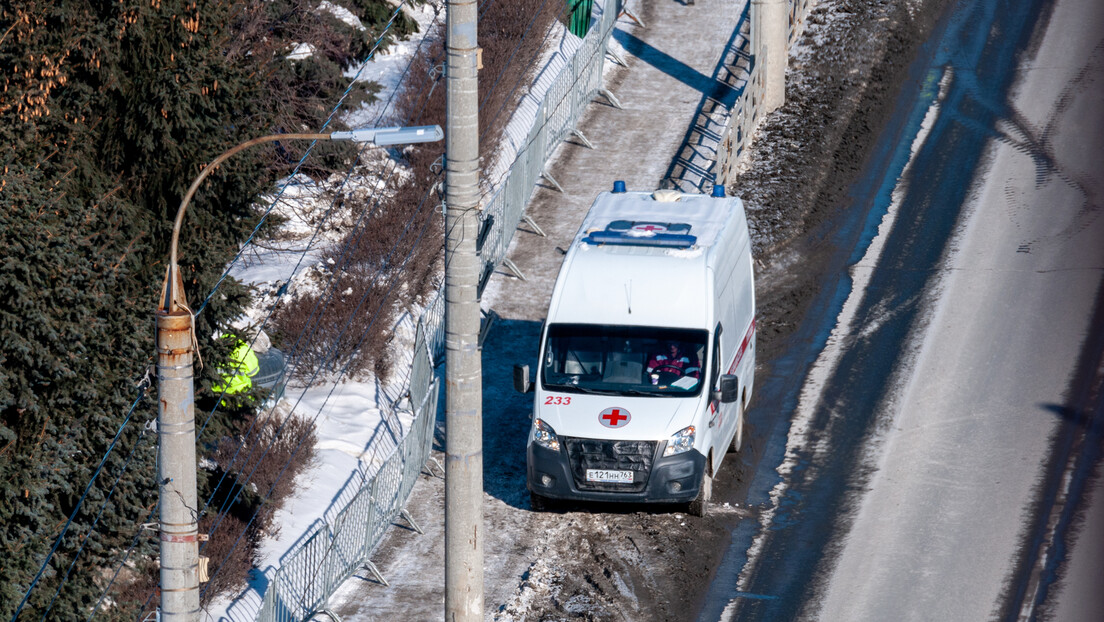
{"x":647,"y":354}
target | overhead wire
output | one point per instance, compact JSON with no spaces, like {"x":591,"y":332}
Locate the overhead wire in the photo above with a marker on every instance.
{"x":525,"y":34}
{"x":80,"y":503}
{"x":122,"y":562}
{"x":323,"y":365}
{"x":352,"y":82}
{"x":333,"y":388}
{"x":303,"y":159}
{"x":331,"y":288}
{"x":495,"y":85}
{"x":129,"y":415}
{"x":92,"y":528}
{"x":322,"y":221}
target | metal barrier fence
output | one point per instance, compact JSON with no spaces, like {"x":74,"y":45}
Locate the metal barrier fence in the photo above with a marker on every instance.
{"x":747,"y":111}
{"x":334,"y":550}
{"x":799,"y":10}
{"x":577,"y":83}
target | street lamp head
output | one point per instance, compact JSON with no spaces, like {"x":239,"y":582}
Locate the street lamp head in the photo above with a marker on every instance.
{"x":387,"y":136}
{"x":172,"y":297}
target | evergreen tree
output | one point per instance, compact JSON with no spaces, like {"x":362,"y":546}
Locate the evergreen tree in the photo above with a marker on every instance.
{"x":108,"y":110}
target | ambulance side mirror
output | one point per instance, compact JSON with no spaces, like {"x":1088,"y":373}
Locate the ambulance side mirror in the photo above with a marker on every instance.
{"x":521,"y":379}
{"x":729,"y":390}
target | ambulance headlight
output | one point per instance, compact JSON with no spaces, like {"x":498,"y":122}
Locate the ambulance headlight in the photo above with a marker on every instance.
{"x":681,"y":441}
{"x":545,"y":436}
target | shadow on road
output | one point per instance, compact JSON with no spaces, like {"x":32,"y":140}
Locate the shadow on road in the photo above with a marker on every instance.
{"x":505,"y":412}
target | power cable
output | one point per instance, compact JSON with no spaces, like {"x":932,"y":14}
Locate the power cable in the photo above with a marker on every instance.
{"x":317,"y":230}
{"x":530,"y":26}
{"x":122,"y":562}
{"x":130,"y":414}
{"x":92,"y":528}
{"x":332,"y":288}
{"x":325,"y":124}
{"x":322,"y":367}
{"x":80,"y":503}
{"x":334,"y":386}
{"x":500,"y":108}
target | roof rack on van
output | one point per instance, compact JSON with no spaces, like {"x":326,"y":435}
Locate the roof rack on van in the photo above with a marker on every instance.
{"x":643,"y":233}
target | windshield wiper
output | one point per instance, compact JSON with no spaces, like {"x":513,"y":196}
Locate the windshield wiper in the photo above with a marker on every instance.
{"x":596,"y":391}
{"x":575,"y":387}
{"x":638,"y":392}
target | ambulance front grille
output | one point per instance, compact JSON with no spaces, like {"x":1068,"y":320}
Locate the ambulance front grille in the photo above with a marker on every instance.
{"x":588,"y":453}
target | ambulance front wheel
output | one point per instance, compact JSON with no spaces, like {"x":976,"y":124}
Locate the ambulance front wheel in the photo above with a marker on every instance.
{"x":538,"y":503}
{"x":738,"y":437}
{"x":700,"y":504}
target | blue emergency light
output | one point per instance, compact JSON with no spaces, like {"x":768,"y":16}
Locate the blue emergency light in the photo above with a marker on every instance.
{"x":644,"y":233}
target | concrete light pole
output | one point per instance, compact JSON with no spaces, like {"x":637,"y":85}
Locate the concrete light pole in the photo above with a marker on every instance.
{"x":463,"y":367}
{"x":770,"y":24}
{"x":176,"y":459}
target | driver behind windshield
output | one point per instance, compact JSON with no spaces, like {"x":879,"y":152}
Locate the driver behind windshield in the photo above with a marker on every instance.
{"x":674,"y":360}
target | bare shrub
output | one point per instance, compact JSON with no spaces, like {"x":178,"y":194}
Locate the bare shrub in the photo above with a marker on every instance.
{"x":260,"y":465}
{"x":266,"y":463}
{"x":232,"y":553}
{"x":341,"y":329}
{"x":402,"y":237}
{"x":135,"y":587}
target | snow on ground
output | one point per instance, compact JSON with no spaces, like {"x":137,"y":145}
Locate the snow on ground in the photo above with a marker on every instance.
{"x":357,"y":422}
{"x":354,"y":428}
{"x":387,"y":67}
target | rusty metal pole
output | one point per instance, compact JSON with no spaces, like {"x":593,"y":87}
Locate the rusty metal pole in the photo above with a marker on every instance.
{"x":176,"y":451}
{"x":176,"y":468}
{"x":463,"y":367}
{"x":176,"y":454}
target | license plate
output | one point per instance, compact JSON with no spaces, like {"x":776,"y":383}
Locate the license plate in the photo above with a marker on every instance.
{"x":612,"y":477}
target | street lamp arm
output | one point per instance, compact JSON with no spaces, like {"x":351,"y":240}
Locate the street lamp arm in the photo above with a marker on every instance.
{"x":176,"y":474}
{"x":172,"y":291}
{"x":214,"y":164}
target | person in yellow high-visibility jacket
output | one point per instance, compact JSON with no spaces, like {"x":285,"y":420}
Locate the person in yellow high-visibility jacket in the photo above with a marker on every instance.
{"x":243,"y":365}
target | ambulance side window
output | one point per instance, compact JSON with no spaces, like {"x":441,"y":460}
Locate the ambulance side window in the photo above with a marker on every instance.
{"x":716,"y":373}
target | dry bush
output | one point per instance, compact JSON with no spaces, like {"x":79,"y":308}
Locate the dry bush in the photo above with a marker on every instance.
{"x":391,"y":261}
{"x":134,"y":588}
{"x":511,"y":35}
{"x":265,"y":462}
{"x":232,"y":553}
{"x":260,"y":467}
{"x":402,"y":230}
{"x":335,"y":331}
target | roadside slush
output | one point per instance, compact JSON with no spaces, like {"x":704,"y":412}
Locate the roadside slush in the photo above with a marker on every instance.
{"x":615,"y":563}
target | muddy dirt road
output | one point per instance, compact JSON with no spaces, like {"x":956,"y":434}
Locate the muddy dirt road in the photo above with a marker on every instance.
{"x":633,"y":563}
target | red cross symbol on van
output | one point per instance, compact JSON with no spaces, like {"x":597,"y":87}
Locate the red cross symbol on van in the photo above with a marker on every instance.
{"x":614,"y":417}
{"x":650,"y":227}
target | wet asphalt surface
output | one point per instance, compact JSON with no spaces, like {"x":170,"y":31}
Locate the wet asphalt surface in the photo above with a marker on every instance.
{"x":815,"y":505}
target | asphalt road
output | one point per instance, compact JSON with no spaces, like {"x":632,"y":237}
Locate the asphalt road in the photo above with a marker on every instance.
{"x":945,"y":441}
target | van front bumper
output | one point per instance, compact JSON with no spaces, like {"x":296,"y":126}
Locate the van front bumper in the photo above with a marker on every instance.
{"x":671,"y":479}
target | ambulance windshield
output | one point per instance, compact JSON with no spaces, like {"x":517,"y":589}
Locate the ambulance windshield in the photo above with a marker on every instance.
{"x":624,"y":360}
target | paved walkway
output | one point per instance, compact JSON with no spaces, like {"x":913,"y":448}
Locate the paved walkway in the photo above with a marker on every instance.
{"x":669,"y":81}
{"x":676,"y":77}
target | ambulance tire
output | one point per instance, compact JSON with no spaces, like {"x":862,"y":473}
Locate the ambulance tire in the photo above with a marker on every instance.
{"x":700,"y":505}
{"x":538,"y":503}
{"x":738,"y":437}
